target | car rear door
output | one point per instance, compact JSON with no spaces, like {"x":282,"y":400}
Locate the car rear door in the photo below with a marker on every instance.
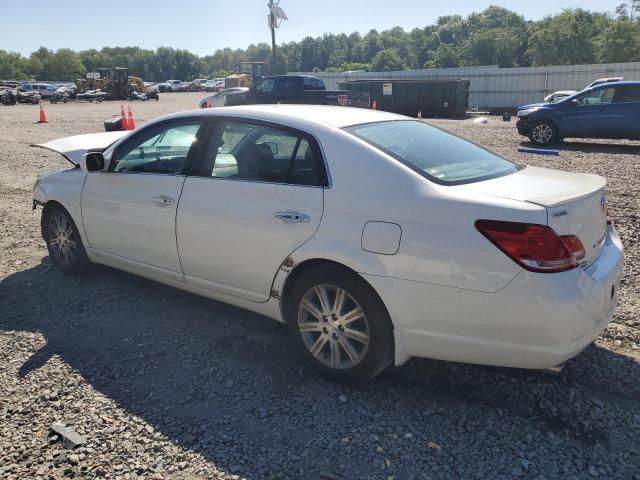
{"x":255,"y":198}
{"x":625,"y":118}
{"x":129,"y":211}
{"x":288,"y":89}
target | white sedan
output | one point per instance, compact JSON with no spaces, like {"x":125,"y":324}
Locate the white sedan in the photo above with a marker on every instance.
{"x":374,"y":236}
{"x":219,"y":99}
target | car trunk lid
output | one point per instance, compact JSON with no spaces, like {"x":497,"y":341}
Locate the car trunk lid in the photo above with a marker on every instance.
{"x":73,"y":148}
{"x":575,"y":202}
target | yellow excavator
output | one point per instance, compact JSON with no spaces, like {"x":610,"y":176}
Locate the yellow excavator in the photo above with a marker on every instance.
{"x":115,"y":82}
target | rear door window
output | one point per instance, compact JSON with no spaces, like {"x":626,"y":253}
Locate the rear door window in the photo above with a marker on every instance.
{"x":288,"y":87}
{"x":627,"y":94}
{"x":437,"y":155}
{"x":262,"y":153}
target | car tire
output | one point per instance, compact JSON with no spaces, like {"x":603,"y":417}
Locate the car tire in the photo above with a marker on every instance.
{"x":63,"y":241}
{"x":543,"y":133}
{"x":351,"y":341}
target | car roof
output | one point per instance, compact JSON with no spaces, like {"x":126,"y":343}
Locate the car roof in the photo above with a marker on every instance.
{"x":616,"y":84}
{"x":300,"y":115}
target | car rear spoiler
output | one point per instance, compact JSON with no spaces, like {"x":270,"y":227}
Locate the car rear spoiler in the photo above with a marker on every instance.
{"x":73,"y":148}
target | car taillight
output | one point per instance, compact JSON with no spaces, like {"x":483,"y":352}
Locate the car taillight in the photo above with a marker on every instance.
{"x":609,"y":216}
{"x":535,"y":247}
{"x":343,"y":100}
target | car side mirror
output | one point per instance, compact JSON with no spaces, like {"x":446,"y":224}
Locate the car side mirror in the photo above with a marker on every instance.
{"x":92,"y":162}
{"x":574,"y":102}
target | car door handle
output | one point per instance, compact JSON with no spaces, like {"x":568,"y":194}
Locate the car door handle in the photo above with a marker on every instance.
{"x":292,"y":217}
{"x":163,"y":200}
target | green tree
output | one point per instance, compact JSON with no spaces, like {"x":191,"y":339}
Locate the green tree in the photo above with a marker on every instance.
{"x":387,"y":61}
{"x":496,"y":46}
{"x":567,"y":38}
{"x":446,"y":56}
{"x":13,"y":66}
{"x":619,"y":42}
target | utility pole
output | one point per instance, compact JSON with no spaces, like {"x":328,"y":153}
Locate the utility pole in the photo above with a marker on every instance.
{"x":272,"y":24}
{"x":276,"y":16}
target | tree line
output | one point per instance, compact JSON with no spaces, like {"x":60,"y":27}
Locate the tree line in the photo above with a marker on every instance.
{"x":495,"y":36}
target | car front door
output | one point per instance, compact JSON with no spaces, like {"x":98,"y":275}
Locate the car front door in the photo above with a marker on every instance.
{"x":263,"y":91}
{"x":256,"y":198}
{"x":129,"y":211}
{"x":587,"y":114}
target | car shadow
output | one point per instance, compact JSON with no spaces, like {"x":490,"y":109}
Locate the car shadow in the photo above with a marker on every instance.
{"x":590,"y":147}
{"x":227,"y":383}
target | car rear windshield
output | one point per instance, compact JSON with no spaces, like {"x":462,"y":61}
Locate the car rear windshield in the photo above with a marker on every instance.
{"x":439,"y":156}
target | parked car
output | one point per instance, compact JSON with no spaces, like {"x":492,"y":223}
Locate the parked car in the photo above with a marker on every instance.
{"x":151,"y":86}
{"x":219,"y":99}
{"x":559,"y":95}
{"x":10,"y":84}
{"x":608,"y":110}
{"x":214,"y":85}
{"x":297,"y":89}
{"x":197,"y":85}
{"x":45,"y":90}
{"x":374,"y":236}
{"x":600,"y":81}
{"x":172,"y":86}
{"x":8,"y":96}
{"x":27,"y":96}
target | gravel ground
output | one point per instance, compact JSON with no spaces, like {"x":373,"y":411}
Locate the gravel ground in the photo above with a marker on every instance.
{"x":167,"y":385}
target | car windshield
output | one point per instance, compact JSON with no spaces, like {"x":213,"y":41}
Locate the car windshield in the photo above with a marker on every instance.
{"x":440,"y":156}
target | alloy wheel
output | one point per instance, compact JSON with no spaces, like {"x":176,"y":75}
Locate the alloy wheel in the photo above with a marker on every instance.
{"x":542,"y":133}
{"x":62,"y":239}
{"x":333,"y":326}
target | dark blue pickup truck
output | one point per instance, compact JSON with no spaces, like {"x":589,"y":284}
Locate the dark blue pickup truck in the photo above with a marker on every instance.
{"x":296,"y":89}
{"x":610,"y":110}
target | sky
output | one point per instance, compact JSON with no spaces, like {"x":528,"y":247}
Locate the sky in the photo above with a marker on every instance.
{"x":204,"y":26}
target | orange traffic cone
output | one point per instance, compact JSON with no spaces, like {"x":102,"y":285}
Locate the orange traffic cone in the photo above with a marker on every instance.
{"x":374,"y":106}
{"x":131,"y":124}
{"x":419,"y":117}
{"x":43,"y":115}
{"x":124,"y":125}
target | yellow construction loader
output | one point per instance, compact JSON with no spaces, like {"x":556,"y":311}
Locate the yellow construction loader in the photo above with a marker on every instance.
{"x":115,"y":82}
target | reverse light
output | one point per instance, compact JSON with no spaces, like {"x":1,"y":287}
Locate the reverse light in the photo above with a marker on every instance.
{"x":537,"y":248}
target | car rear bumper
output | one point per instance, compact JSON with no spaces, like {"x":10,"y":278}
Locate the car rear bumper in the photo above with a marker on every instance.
{"x":537,"y":321}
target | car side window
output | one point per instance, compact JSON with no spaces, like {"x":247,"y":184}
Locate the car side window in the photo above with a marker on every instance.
{"x":603,"y":95}
{"x":163,"y":149}
{"x":627,"y":94}
{"x":288,"y":86}
{"x":262,"y":153}
{"x":265,"y":86}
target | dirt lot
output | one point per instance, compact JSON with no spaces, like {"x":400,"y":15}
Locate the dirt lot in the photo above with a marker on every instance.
{"x":165,"y":384}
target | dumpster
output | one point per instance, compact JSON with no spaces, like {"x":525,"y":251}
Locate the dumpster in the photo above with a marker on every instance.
{"x":434,"y":98}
